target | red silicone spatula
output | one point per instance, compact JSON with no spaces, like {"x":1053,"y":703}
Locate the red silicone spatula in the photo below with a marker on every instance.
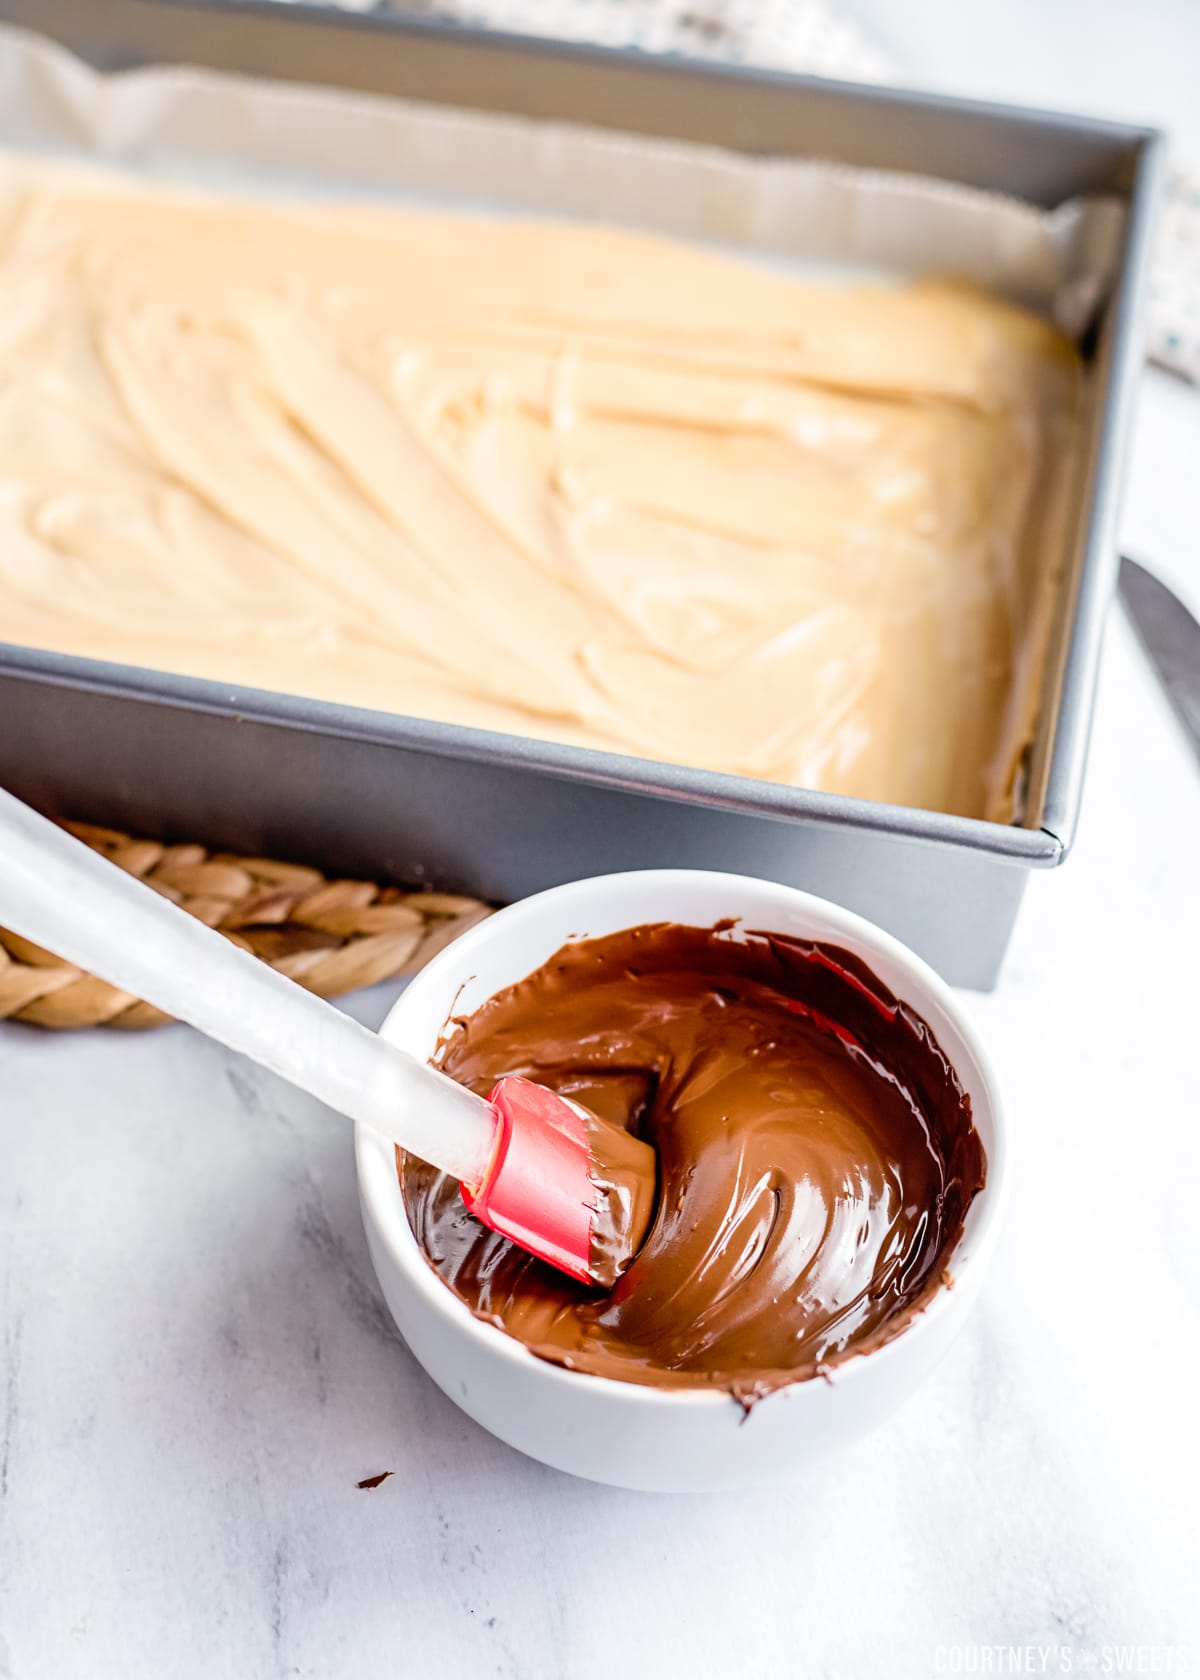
{"x":536,"y":1168}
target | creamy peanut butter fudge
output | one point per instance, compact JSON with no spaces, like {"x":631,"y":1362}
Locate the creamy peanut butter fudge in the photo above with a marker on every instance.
{"x":562,"y":480}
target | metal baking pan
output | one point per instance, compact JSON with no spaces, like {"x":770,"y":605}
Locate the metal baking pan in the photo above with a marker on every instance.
{"x":417,"y":801}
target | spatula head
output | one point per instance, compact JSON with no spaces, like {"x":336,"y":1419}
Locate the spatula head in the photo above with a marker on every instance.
{"x":571,"y":1188}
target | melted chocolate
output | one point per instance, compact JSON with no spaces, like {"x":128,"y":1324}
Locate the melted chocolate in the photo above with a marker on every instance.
{"x":816,"y":1157}
{"x":624,"y":1174}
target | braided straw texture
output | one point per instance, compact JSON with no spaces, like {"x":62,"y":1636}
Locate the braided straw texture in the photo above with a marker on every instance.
{"x":330,"y":936}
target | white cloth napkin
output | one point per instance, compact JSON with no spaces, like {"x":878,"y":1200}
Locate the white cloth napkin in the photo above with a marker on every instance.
{"x":1174,"y":311}
{"x":802,"y":35}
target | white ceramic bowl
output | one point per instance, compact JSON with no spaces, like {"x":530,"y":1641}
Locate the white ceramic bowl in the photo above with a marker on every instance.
{"x":624,"y":1433}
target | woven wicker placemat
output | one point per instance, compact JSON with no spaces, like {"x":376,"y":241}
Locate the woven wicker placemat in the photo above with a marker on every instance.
{"x":332,"y":936}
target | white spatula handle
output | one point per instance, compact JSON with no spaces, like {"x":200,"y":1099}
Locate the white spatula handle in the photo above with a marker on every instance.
{"x":59,"y":893}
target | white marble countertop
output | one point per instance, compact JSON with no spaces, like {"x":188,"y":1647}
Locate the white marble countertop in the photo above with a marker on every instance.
{"x":197,"y":1368}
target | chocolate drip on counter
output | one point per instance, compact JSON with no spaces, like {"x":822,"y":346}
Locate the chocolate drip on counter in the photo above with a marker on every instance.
{"x":816,"y":1157}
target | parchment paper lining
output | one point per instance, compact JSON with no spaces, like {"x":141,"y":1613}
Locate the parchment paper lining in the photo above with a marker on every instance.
{"x":239,"y":134}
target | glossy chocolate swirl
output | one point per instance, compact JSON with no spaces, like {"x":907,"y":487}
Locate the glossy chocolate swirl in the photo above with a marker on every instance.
{"x":816,"y":1156}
